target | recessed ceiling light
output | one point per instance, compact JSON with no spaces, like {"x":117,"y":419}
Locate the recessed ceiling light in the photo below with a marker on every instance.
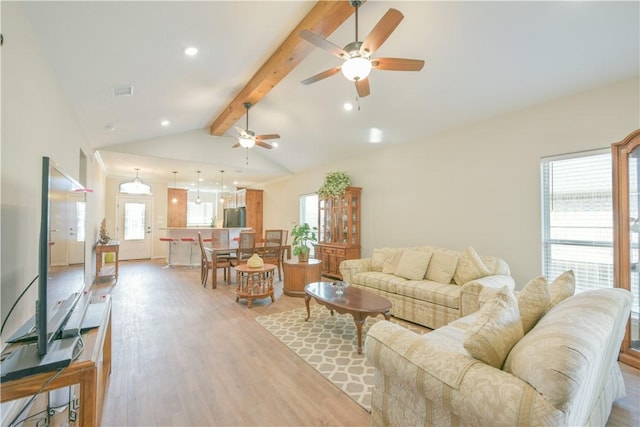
{"x":110,"y":127}
{"x":348,"y":106}
{"x":165,"y":123}
{"x":375,"y":135}
{"x":191,"y":51}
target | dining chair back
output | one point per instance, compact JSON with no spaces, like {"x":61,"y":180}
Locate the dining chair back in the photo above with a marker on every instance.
{"x":206,"y":264}
{"x":246,"y":246}
{"x":272,"y":250}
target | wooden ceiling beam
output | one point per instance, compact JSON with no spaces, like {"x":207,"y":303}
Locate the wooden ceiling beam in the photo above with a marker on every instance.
{"x":323,"y":19}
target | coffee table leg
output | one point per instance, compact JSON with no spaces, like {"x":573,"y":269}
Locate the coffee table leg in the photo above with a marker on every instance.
{"x":387,"y":315}
{"x":359,"y":322}
{"x":306,"y":302}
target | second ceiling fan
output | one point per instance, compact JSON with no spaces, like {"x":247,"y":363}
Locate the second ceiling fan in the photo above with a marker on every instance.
{"x":248,"y":138}
{"x":357,"y":55}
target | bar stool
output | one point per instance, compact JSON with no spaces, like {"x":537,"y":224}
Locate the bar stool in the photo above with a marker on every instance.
{"x":192,"y":241}
{"x":171,"y":241}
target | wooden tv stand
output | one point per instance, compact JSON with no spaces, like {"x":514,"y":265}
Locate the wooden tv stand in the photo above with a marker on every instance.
{"x":91,"y":371}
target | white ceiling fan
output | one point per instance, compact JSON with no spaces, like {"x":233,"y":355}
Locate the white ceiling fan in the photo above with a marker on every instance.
{"x":357,"y":54}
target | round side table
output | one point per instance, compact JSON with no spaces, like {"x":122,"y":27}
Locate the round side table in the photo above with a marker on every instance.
{"x":255,"y":283}
{"x":298,"y":274}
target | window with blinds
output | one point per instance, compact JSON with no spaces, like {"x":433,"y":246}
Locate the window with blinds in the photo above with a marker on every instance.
{"x":577,"y":223}
{"x":309,"y":213}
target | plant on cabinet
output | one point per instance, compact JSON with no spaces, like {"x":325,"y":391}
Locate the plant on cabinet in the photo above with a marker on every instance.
{"x":303,"y":237}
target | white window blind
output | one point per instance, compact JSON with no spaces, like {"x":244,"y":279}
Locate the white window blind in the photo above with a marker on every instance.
{"x":309,"y":213}
{"x":199,"y":213}
{"x":578,"y":218}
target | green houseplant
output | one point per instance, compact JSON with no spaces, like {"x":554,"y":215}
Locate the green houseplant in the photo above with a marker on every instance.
{"x":335,"y":184}
{"x":303,"y":237}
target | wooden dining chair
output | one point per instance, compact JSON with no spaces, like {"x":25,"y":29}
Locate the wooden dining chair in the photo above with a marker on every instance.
{"x":271,"y":252}
{"x":220,"y":239}
{"x":206,"y":264}
{"x":246,"y":247}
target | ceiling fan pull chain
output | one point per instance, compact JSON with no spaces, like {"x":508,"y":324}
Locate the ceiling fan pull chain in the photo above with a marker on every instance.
{"x":247,"y":155}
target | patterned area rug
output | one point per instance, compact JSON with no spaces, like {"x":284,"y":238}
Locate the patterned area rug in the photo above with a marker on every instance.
{"x":329,"y":345}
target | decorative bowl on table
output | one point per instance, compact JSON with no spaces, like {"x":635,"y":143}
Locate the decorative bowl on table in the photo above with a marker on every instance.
{"x":339,"y":287}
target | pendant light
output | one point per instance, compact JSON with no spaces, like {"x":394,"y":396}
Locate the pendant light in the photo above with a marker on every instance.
{"x":135,"y":186}
{"x":198,"y":200}
{"x":175,"y":199}
{"x":222,"y":186}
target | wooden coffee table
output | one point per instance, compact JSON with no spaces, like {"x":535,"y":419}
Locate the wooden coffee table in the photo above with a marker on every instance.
{"x":355,"y":301}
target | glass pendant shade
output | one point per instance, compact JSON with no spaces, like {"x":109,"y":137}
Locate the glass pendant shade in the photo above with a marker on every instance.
{"x":357,"y":68}
{"x":246,"y":142}
{"x":135,"y":186}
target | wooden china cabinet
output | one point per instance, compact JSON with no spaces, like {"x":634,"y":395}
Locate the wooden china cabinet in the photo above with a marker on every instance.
{"x":626,"y":225}
{"x":338,"y":230}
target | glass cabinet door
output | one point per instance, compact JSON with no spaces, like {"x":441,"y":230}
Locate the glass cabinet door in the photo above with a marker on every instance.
{"x":626,"y":206}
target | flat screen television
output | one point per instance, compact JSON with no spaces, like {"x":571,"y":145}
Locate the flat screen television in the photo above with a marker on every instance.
{"x":235,"y":217}
{"x":61,"y":280}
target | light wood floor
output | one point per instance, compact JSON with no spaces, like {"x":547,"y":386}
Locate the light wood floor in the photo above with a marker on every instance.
{"x":184,"y":355}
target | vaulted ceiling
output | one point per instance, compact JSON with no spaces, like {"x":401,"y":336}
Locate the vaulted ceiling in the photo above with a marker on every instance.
{"x":482,"y":59}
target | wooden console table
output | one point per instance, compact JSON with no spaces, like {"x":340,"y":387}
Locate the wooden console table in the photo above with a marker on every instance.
{"x":111,"y":247}
{"x":298,"y":274}
{"x":91,"y":371}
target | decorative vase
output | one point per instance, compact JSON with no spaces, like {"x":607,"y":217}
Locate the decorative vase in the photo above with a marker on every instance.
{"x":255,"y":261}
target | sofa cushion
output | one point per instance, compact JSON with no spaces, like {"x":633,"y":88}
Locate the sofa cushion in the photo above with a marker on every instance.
{"x":533,"y":301}
{"x":378,"y":280}
{"x":413,"y":264}
{"x":562,"y":288}
{"x":470,"y":267}
{"x":496,"y":329}
{"x":440,"y":294}
{"x":442,"y":266}
{"x":379,"y":256}
{"x":391,"y":261}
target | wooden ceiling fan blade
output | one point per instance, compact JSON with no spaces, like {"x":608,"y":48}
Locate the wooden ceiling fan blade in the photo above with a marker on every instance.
{"x":362,"y":86}
{"x":268,"y":136}
{"x":323,"y":75}
{"x":381,"y":31}
{"x":263,"y":144}
{"x":242,"y":132}
{"x":315,"y":39}
{"x":397,"y":64}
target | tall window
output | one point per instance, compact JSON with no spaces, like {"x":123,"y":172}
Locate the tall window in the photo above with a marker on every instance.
{"x":199,"y":213}
{"x":578,"y":218}
{"x":309,"y":213}
{"x":134,"y":220}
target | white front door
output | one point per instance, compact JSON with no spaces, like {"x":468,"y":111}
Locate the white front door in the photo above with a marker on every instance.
{"x":66,"y":238}
{"x":133,"y":226}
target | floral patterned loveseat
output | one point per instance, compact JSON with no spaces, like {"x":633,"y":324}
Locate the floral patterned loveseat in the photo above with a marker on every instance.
{"x":427,"y":285}
{"x":543,"y":358}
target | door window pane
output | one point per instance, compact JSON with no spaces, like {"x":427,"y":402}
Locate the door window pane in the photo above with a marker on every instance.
{"x":134,"y":221}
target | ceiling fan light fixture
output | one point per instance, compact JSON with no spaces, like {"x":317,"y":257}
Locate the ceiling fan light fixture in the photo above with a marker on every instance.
{"x":246,"y":142}
{"x":356,"y":68}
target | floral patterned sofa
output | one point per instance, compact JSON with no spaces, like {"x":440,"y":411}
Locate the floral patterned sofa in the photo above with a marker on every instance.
{"x":507,"y":364}
{"x":427,"y":285}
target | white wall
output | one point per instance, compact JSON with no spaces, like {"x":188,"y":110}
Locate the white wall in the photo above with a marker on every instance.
{"x":478,"y":186}
{"x":36,"y":122}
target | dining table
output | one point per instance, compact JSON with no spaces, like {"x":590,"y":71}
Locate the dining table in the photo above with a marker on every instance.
{"x":232,"y":247}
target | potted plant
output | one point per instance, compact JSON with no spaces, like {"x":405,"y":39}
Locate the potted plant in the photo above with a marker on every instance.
{"x":103,"y":237}
{"x":335,"y":184}
{"x":303,"y":237}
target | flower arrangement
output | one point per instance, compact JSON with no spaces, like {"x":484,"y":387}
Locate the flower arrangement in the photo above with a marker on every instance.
{"x":104,"y":235}
{"x":335,"y":184}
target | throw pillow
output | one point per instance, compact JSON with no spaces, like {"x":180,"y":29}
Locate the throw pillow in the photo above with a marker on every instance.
{"x":562,"y":288}
{"x":496,"y":329}
{"x":533,"y":301}
{"x":377,"y":259}
{"x":441,"y":267}
{"x":413,"y":264}
{"x":391,"y":261}
{"x":470,"y":267}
